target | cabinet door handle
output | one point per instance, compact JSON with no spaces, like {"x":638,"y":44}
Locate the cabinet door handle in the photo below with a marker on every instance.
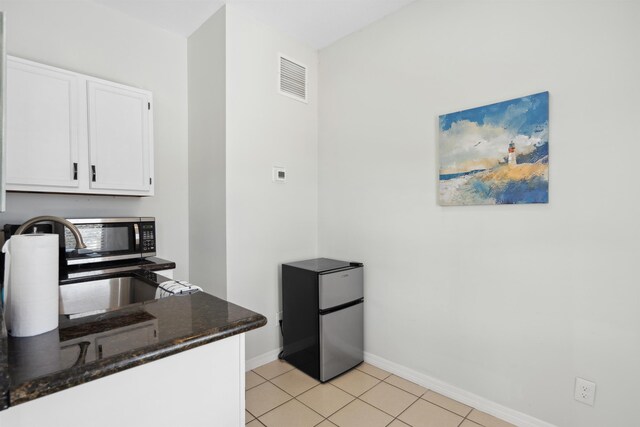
{"x":93,"y":173}
{"x":75,"y":171}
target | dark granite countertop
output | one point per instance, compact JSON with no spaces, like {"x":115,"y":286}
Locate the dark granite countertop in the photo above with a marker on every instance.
{"x":91,"y":347}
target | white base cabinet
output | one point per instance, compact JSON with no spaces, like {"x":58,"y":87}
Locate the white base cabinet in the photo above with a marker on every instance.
{"x":199,"y":387}
{"x":72,"y":133}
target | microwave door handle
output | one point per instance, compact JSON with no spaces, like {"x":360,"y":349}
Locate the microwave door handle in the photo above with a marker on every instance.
{"x":136,"y":234}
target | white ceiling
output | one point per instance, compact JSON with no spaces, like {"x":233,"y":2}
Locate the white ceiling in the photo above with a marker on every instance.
{"x":317,"y":23}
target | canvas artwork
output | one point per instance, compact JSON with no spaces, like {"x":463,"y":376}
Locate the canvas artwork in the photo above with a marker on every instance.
{"x":496,"y":154}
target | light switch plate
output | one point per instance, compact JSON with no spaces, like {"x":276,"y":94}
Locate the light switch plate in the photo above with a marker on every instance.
{"x":279,"y":174}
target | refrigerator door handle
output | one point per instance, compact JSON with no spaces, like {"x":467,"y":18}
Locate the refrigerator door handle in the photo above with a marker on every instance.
{"x":340,"y":307}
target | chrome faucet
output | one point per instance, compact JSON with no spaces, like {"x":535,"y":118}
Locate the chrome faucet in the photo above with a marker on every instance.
{"x":74,"y":230}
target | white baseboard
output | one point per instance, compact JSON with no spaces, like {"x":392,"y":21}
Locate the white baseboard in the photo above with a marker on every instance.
{"x":463,"y":396}
{"x":260,"y":360}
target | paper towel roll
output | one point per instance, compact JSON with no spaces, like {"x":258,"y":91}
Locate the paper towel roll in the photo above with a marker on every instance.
{"x":31,"y":284}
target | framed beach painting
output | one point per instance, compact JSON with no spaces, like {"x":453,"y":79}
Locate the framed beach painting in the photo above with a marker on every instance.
{"x":497,"y":154}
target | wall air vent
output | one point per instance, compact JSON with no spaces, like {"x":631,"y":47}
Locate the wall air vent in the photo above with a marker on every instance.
{"x":293,"y":79}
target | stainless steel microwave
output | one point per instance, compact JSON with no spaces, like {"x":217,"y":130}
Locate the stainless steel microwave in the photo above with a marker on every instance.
{"x":111,"y":239}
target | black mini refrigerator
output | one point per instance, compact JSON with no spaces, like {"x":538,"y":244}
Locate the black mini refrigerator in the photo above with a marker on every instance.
{"x":323,"y":316}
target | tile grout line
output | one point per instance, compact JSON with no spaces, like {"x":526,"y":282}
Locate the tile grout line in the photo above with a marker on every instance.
{"x":335,"y":385}
{"x":259,"y":375}
{"x":309,"y":407}
{"x":247,"y":389}
{"x":334,"y":412}
{"x":419,"y":396}
{"x":380,"y":409}
{"x":433,"y":403}
{"x":405,"y":410}
{"x":254,"y":417}
{"x":275,"y":407}
{"x":276,"y":385}
{"x":267,"y":379}
{"x":449,"y":410}
{"x":381,"y":379}
{"x":353,"y":395}
{"x":384,"y":412}
{"x":292,"y":398}
{"x":257,"y":421}
{"x":317,"y":385}
{"x":475,"y":422}
{"x":367,"y":403}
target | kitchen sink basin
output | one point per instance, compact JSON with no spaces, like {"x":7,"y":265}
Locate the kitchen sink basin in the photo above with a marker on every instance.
{"x":99,"y":296}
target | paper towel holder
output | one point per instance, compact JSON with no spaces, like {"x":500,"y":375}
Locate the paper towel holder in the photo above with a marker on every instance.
{"x":74,"y":230}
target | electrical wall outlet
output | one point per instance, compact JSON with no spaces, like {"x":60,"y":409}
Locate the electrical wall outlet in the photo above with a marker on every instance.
{"x":585,"y":391}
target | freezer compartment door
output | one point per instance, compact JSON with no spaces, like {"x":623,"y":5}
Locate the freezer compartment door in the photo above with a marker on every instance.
{"x":340,"y":287}
{"x":341,"y":340}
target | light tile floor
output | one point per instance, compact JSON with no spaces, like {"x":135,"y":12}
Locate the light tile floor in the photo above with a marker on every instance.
{"x":278,"y":395}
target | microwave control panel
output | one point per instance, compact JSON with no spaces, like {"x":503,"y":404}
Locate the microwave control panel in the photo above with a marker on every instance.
{"x":148,"y":238}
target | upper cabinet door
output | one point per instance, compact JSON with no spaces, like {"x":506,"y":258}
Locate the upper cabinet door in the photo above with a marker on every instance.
{"x":119,"y":138}
{"x":42,"y":128}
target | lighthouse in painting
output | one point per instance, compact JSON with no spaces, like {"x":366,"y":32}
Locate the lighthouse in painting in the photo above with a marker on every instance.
{"x":512,"y":153}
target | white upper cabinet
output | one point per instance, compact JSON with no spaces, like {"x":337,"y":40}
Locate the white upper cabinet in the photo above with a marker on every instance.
{"x":42,"y":127}
{"x":119,"y":135}
{"x":72,"y":133}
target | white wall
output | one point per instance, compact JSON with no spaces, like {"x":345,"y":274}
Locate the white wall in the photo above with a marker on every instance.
{"x":88,"y":38}
{"x":207,"y":169}
{"x":267,"y":223}
{"x":507,"y":302}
